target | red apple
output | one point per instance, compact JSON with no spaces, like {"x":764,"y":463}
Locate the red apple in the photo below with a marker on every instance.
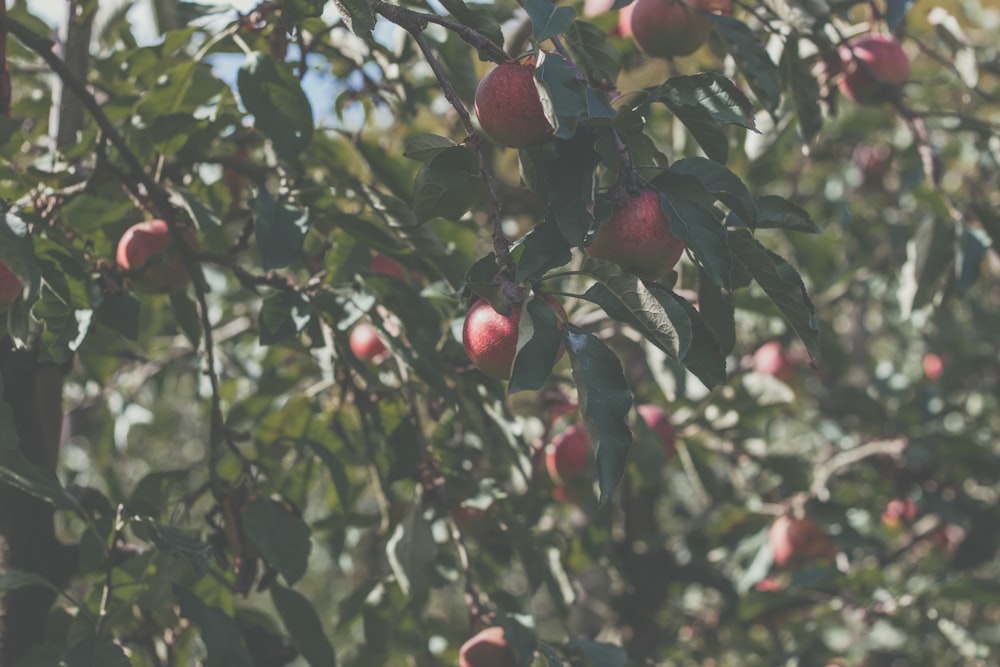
{"x":658,"y":420}
{"x":509,"y":108}
{"x":771,"y":359}
{"x":933,"y":366}
{"x":155,"y":264}
{"x":388,"y":266}
{"x":875,"y":68}
{"x":899,"y":511}
{"x":490,"y":339}
{"x":625,"y":20}
{"x":365,"y":343}
{"x":669,"y":28}
{"x":798,"y":539}
{"x":569,"y":454}
{"x":10,"y":286}
{"x":487,"y":649}
{"x":638,"y":238}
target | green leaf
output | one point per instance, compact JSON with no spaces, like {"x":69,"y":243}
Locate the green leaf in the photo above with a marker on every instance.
{"x":120,"y":312}
{"x":975,"y":244}
{"x":171,"y":540}
{"x":594,"y":51}
{"x":805,"y":90}
{"x":64,"y":274}
{"x":480,"y":20}
{"x":930,"y":255}
{"x":751,"y":59}
{"x":563,"y":95}
{"x":605,"y":401}
{"x":283,"y":316}
{"x":281,"y":227}
{"x":706,"y":131}
{"x":95,"y":652}
{"x":721,"y":182}
{"x":304,"y":626}
{"x":626,"y":299}
{"x":358,"y":16}
{"x":538,"y":344}
{"x":547,"y":20}
{"x":521,"y":639}
{"x":13,"y":579}
{"x":774,"y":212}
{"x":411,"y":552}
{"x":273,"y":94}
{"x":89,"y":213}
{"x":425,"y":147}
{"x":64,"y":327}
{"x":18,"y":253}
{"x":186,"y":313}
{"x":704,"y":358}
{"x":552,"y":658}
{"x":569,"y":173}
{"x":600,"y":653}
{"x":281,"y":537}
{"x":781,"y":282}
{"x":223,"y":639}
{"x":448,"y":185}
{"x":545,"y":248}
{"x":709,"y":92}
{"x":717,"y":310}
{"x":695,"y":222}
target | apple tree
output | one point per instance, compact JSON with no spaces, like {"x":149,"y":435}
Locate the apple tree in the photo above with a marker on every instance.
{"x":516,"y":333}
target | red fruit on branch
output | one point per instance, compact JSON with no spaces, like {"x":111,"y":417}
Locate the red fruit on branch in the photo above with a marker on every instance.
{"x":365,"y":343}
{"x":638,"y":238}
{"x":154,"y":262}
{"x":10,"y":286}
{"x":490,"y":338}
{"x":771,"y":359}
{"x":488,"y":648}
{"x":658,"y":420}
{"x":798,"y":539}
{"x":875,"y":68}
{"x":388,"y":266}
{"x":670,"y":28}
{"x":569,"y":454}
{"x":509,"y":107}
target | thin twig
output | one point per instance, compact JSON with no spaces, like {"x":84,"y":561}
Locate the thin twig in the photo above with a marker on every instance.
{"x":413,"y":21}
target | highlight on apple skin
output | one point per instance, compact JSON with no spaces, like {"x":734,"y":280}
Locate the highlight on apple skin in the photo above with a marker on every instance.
{"x":569,"y":454}
{"x":490,"y":338}
{"x":509,"y":107}
{"x":155,"y":264}
{"x":488,"y":648}
{"x":794,"y":540}
{"x":671,"y":28}
{"x":657,"y":419}
{"x":10,"y":286}
{"x":638,"y":238}
{"x":366,"y":344}
{"x":874,"y":68}
{"x":772,"y":359}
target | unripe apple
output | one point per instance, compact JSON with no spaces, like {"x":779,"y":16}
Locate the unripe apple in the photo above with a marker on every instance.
{"x":884,"y":70}
{"x":490,"y":338}
{"x":509,"y":108}
{"x":771,"y":359}
{"x":798,"y":539}
{"x":669,"y":28}
{"x":155,"y":263}
{"x":487,"y":649}
{"x":10,"y":286}
{"x":638,"y":238}
{"x":569,"y":454}
{"x":658,"y":420}
{"x":365,"y":343}
{"x":899,"y":511}
{"x":388,"y":266}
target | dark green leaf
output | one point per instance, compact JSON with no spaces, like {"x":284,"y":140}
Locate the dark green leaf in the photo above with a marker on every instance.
{"x":605,"y":401}
{"x":221,"y":634}
{"x":186,"y":314}
{"x":411,"y":552}
{"x":594,"y":51}
{"x":706,"y":131}
{"x":64,"y":327}
{"x":447,"y":185}
{"x":716,"y":308}
{"x":281,"y":227}
{"x":169,"y":539}
{"x":13,"y":579}
{"x":272,"y":93}
{"x":552,"y":658}
{"x":563,"y":95}
{"x":710,"y":92}
{"x":569,"y":177}
{"x":358,"y":16}
{"x":805,"y":90}
{"x":718,"y":180}
{"x":304,"y":626}
{"x":975,"y":244}
{"x":283,"y":316}
{"x":704,"y":358}
{"x":751,"y":59}
{"x":17,"y":251}
{"x":120,"y":312}
{"x":538,"y":346}
{"x":95,"y":652}
{"x":521,"y":640}
{"x":63,"y":273}
{"x":281,"y":537}
{"x":545,"y":248}
{"x":425,"y":147}
{"x":695,"y":222}
{"x":775,"y":212}
{"x":480,"y":20}
{"x":547,"y":20}
{"x":600,"y":654}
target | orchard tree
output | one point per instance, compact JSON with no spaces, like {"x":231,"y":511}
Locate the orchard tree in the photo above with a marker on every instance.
{"x":581,"y":333}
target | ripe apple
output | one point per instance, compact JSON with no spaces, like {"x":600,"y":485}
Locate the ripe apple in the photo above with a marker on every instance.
{"x":154,"y":262}
{"x":798,"y":539}
{"x":625,"y":20}
{"x":365,"y":343}
{"x":899,"y":511}
{"x":933,"y":366}
{"x":638,"y":238}
{"x":10,"y":286}
{"x":490,"y":339}
{"x":387,"y":265}
{"x":509,"y":108}
{"x":875,"y":68}
{"x":487,"y":649}
{"x":771,"y":359}
{"x":669,"y":28}
{"x":658,"y":420}
{"x":569,"y":454}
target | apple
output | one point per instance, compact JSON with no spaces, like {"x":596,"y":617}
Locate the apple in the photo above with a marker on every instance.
{"x":638,"y":238}
{"x":771,"y":359}
{"x":10,"y":286}
{"x":365,"y":343}
{"x":625,"y":20}
{"x":388,"y":266}
{"x":658,"y":420}
{"x":569,"y":454}
{"x":669,"y":28}
{"x":899,"y":511}
{"x":798,"y":539}
{"x":874,"y":67}
{"x":509,"y":108}
{"x":488,"y":648}
{"x":933,"y":366}
{"x":490,"y":338}
{"x":155,"y":264}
